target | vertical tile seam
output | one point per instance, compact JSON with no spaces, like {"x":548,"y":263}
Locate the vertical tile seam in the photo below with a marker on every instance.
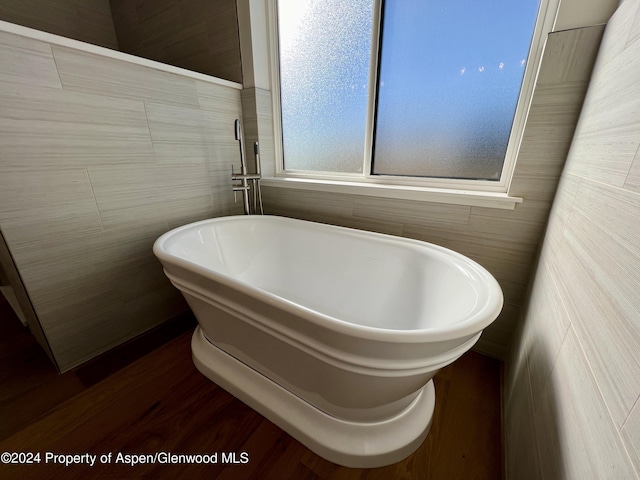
{"x":579,"y":337}
{"x":612,"y":260}
{"x":598,"y":392}
{"x":558,"y":294}
{"x":623,"y":440}
{"x":628,"y":40}
{"x":636,"y":158}
{"x":537,"y":438}
{"x":93,"y":194}
{"x":600,"y":397}
{"x":206,"y":166}
{"x":635,"y":405}
{"x":146,"y":117}
{"x":569,"y":65}
{"x":55,"y":63}
{"x":625,"y":445}
{"x":570,"y":210}
{"x":467,"y":223}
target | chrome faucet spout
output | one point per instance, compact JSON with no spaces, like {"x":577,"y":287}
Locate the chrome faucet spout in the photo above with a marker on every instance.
{"x":245,"y":182}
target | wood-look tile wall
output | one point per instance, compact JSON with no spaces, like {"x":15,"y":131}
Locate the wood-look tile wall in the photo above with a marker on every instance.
{"x":504,"y":241}
{"x":258,"y":127}
{"x":85,"y":20}
{"x":99,"y":157}
{"x":199,"y":35}
{"x":573,"y":379}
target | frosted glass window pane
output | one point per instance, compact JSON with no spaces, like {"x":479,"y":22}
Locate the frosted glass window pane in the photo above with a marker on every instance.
{"x":325,"y":49}
{"x":450,"y":75}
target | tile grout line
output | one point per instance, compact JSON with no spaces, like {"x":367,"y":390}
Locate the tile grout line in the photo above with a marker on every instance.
{"x":55,"y":62}
{"x":93,"y":194}
{"x":625,"y":443}
{"x":636,"y":158}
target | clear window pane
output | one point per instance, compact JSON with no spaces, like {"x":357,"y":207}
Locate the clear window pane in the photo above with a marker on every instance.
{"x":324,"y":67}
{"x":450,"y":75}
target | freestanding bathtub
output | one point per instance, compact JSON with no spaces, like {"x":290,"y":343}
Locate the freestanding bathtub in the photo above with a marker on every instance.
{"x":331,"y":333}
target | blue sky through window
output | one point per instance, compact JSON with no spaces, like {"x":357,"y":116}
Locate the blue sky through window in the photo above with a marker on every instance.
{"x":449,"y":81}
{"x":450,"y":75}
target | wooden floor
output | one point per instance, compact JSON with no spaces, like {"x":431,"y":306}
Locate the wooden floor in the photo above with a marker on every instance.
{"x":161,"y":403}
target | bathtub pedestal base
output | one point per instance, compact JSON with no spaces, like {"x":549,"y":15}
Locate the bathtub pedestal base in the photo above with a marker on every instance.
{"x":352,"y":444}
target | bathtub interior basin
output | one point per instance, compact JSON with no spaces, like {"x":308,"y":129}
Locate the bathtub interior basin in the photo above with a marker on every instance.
{"x":391,"y":283}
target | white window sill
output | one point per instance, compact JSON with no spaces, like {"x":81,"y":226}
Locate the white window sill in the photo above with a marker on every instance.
{"x":403,"y":192}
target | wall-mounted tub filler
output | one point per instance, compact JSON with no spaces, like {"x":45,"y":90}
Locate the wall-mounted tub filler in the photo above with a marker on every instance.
{"x":248,"y":184}
{"x":331,"y":333}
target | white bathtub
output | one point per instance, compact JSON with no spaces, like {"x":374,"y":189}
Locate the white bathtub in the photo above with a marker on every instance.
{"x":333,"y":334}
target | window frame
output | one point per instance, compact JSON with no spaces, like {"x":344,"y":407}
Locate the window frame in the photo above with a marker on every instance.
{"x":460,"y":191}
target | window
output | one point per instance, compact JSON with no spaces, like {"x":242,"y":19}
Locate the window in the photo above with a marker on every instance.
{"x":325,"y":51}
{"x":403,"y":92}
{"x":450,"y":75}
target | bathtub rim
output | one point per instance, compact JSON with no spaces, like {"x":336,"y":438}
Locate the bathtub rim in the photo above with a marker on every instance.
{"x":472,"y":325}
{"x":348,"y":360}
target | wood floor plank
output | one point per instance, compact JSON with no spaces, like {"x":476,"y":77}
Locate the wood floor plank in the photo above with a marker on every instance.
{"x":161,"y":403}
